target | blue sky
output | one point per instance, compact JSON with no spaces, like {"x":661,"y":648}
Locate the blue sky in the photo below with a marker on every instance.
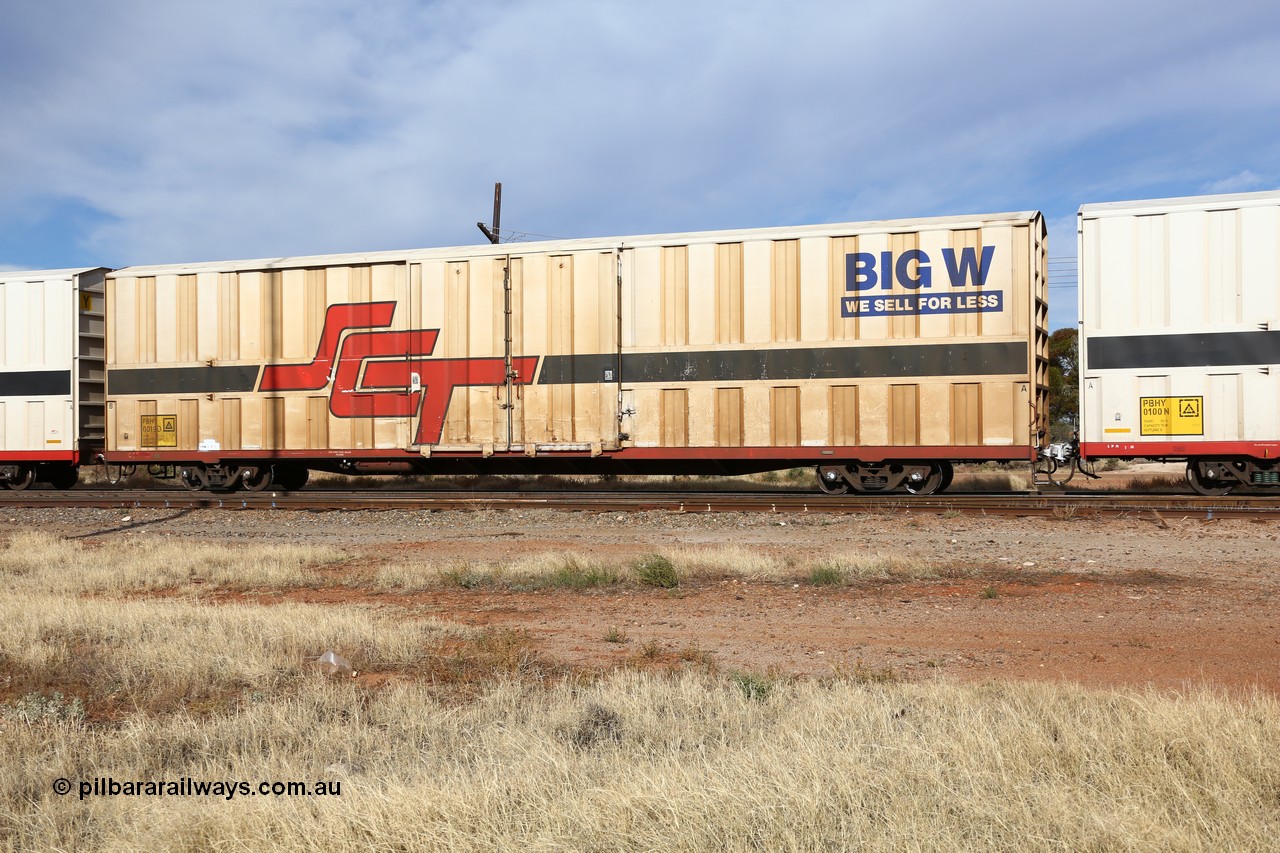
{"x":144,"y":132}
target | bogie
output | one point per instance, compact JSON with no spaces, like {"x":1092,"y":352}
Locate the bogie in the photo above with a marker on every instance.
{"x":916,"y":478}
{"x":19,"y":477}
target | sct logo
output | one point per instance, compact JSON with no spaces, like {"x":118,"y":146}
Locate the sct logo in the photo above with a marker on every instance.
{"x":371,"y":374}
{"x":865,"y":272}
{"x":913,"y":271}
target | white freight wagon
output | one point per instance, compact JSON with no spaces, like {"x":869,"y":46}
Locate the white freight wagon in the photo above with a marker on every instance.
{"x":1180,"y":335}
{"x":51,"y":374}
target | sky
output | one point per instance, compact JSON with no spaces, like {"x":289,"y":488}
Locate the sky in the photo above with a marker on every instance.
{"x":141,"y":132}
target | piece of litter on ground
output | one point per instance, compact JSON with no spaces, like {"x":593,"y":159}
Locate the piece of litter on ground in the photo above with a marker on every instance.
{"x":332,"y":663}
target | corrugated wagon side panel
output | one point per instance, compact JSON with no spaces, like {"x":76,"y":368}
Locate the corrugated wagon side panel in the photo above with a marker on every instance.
{"x":702,"y":295}
{"x":798,"y":342}
{"x":754,"y":345}
{"x":566,"y":309}
{"x":38,"y":321}
{"x":209,"y":335}
{"x":1181,"y":326}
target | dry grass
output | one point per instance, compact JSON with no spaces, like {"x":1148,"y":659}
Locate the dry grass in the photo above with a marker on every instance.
{"x":1149,"y":483}
{"x":68,"y":566}
{"x":576,"y":571}
{"x":992,"y":481}
{"x":73,"y":621}
{"x":728,"y":561}
{"x":692,"y":762}
{"x":854,"y":569}
{"x":531,"y":758}
{"x":148,"y":654}
{"x":535,"y":571}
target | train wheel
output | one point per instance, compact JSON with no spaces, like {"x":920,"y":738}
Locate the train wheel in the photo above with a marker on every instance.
{"x":831,"y":480}
{"x":63,"y":476}
{"x":1212,"y":488}
{"x":26,"y":476}
{"x":924,"y":479}
{"x":948,"y":474}
{"x":257,"y":479}
{"x":291,"y":477}
{"x":193,"y":479}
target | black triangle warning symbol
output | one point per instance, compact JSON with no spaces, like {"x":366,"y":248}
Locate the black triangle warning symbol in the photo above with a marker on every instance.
{"x":1190,"y":409}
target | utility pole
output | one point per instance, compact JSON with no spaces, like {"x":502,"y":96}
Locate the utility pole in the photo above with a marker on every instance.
{"x":497,"y":215}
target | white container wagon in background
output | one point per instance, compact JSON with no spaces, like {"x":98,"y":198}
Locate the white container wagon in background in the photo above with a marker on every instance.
{"x":51,"y":375}
{"x":1180,"y":336}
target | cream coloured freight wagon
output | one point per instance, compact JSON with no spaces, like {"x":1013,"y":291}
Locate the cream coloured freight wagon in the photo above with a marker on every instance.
{"x":880,"y":352}
{"x":1180,"y":335}
{"x":51,"y":375}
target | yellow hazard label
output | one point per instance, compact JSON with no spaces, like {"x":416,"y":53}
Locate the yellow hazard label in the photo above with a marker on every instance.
{"x":86,"y":301}
{"x":1173,"y":415}
{"x":159,"y":431}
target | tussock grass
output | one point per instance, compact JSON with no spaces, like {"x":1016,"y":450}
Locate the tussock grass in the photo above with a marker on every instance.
{"x":667,"y":570}
{"x":846,"y":570}
{"x":826,"y":574}
{"x":538,"y":571}
{"x":532,"y":759}
{"x":575,"y":575}
{"x":69,"y":566}
{"x":656,"y":570}
{"x":148,"y":653}
{"x":67,"y":626}
{"x":728,"y":561}
{"x":693,"y":762}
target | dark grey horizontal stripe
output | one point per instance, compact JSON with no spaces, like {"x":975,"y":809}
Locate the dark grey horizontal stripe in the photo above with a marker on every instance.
{"x":1204,"y":349}
{"x":35,"y":383}
{"x":861,"y":361}
{"x":136,"y":381}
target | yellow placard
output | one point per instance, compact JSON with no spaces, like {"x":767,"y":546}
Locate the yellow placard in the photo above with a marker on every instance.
{"x":159,"y":431}
{"x":1172,"y":415}
{"x":86,"y":301}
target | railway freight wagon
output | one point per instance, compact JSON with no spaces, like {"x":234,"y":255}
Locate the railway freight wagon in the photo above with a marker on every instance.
{"x":878,"y":353}
{"x":51,"y":375}
{"x":1180,"y":335}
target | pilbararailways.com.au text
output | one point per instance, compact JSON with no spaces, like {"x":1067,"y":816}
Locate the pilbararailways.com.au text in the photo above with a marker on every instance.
{"x":188,"y":787}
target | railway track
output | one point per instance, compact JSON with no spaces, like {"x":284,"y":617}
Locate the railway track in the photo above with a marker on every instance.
{"x":1062,"y":505}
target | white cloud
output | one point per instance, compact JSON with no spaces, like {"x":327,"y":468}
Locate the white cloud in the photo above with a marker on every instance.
{"x":1238,"y":183}
{"x":243,"y":129}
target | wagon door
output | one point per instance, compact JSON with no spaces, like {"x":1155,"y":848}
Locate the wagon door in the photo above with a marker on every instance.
{"x":458,"y":371}
{"x":565,"y":354}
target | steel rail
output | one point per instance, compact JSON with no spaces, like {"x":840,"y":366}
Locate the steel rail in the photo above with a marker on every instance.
{"x":1065,"y":506}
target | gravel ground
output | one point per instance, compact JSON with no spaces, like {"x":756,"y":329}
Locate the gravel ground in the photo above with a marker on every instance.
{"x":1169,"y":601}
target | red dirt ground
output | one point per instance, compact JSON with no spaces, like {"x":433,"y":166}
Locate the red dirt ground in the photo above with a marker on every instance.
{"x":1170,"y":602}
{"x":1134,"y":629}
